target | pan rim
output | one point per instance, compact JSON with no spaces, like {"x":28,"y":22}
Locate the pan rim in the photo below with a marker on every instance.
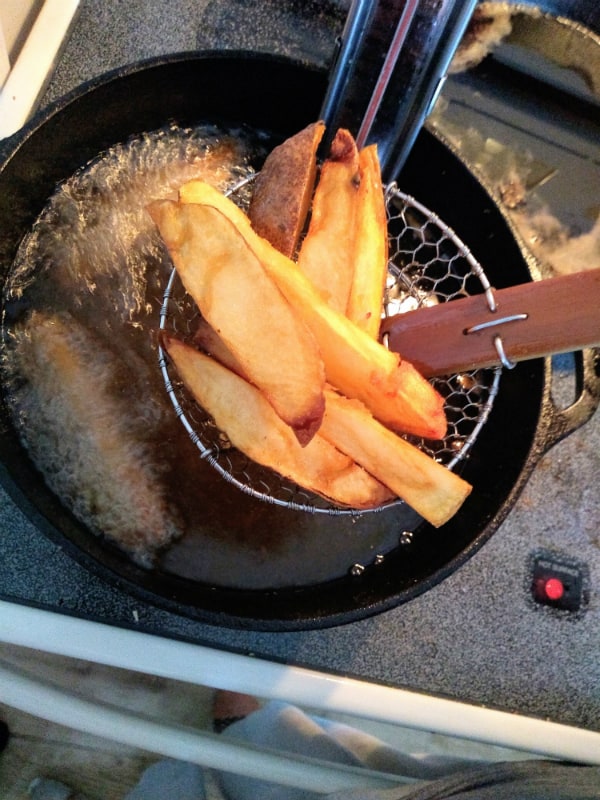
{"x":268,"y":616}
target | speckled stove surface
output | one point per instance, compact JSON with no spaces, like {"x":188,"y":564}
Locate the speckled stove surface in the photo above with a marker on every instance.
{"x":478,"y":636}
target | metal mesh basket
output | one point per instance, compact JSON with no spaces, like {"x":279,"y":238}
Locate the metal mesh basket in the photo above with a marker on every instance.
{"x":428,"y":264}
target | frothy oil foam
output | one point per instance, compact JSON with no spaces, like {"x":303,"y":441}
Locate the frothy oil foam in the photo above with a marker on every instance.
{"x":81,"y":309}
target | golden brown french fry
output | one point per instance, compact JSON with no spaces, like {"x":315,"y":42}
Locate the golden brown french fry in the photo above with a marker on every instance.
{"x":355,"y":363}
{"x":326,"y":255}
{"x":283,"y":189}
{"x":431,"y":489}
{"x":370,"y":254}
{"x":242,"y":303}
{"x":242,"y":413}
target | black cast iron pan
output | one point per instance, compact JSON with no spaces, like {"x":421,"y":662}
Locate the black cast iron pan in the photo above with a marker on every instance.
{"x":252,"y":565}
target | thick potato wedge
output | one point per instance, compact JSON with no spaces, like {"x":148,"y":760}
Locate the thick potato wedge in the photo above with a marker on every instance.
{"x":355,"y":363}
{"x":241,"y":411}
{"x":429,"y":488}
{"x":370,"y":255}
{"x":326,"y":255}
{"x":283,"y":189}
{"x":242,"y":303}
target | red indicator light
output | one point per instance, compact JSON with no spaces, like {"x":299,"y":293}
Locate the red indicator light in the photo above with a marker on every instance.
{"x":559,"y":582}
{"x":554,"y":588}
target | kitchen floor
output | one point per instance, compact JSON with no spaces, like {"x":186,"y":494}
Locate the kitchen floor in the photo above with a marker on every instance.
{"x":98,"y":769}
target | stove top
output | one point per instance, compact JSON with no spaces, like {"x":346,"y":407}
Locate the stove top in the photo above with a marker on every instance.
{"x":482,"y":635}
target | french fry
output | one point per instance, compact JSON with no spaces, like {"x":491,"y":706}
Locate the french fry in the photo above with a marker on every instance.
{"x":355,"y":363}
{"x":326,"y":255}
{"x":370,"y":254}
{"x":242,"y":413}
{"x":283,"y":189}
{"x":242,"y":303}
{"x":431,"y":489}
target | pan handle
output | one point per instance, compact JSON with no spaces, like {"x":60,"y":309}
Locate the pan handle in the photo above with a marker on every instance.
{"x":560,"y":422}
{"x":529,"y":320}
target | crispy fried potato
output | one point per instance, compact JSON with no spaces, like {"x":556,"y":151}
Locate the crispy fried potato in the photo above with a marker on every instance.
{"x":431,"y":489}
{"x":370,"y":254}
{"x":283,"y":189}
{"x":326,"y":255}
{"x":242,"y":303}
{"x":241,"y":411}
{"x":427,"y":486}
{"x":355,"y":363}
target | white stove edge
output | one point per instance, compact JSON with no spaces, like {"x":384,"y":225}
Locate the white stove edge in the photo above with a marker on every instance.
{"x":34,"y":65}
{"x":101,"y":719}
{"x":117,"y":647}
{"x":100,"y":643}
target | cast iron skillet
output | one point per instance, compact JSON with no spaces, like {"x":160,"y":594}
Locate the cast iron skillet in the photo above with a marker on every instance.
{"x":282,"y":96}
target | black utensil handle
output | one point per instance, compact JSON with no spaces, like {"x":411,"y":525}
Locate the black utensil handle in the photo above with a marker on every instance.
{"x":393,"y":58}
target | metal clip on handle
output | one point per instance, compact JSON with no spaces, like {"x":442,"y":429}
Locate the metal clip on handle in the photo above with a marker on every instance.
{"x":392,"y":62}
{"x":494,"y":323}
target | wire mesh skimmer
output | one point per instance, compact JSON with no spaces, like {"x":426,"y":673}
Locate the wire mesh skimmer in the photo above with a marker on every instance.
{"x":428,"y":264}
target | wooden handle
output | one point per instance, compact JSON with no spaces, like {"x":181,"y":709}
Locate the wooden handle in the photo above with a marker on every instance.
{"x":556,"y":315}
